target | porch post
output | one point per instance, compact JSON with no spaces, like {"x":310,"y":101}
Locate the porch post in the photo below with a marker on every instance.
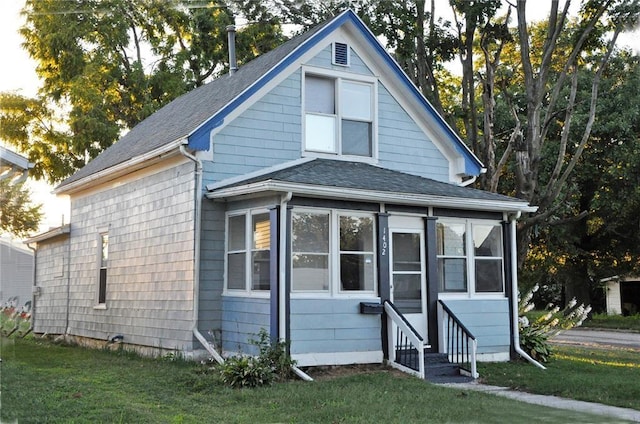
{"x":432,"y":281}
{"x":274,"y":254}
{"x":384,"y":286}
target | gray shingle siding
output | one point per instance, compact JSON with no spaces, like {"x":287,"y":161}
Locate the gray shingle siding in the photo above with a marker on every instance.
{"x":150,"y":222}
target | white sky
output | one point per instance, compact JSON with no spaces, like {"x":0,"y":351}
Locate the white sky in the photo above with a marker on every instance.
{"x":18,"y":75}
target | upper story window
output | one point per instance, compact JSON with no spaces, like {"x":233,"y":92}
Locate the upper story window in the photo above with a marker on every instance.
{"x":248,"y":251}
{"x":339,"y":116}
{"x":470,"y":257}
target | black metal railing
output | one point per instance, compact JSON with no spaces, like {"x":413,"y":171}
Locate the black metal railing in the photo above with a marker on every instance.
{"x":460,"y":344}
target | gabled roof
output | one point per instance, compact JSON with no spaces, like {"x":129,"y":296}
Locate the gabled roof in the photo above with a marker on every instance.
{"x":192,"y":116}
{"x":361,"y":181}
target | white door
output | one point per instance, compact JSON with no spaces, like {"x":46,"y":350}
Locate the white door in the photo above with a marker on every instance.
{"x":408,"y":272}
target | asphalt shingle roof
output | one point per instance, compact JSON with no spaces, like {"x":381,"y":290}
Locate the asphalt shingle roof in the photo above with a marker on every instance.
{"x":363,"y":176}
{"x":186,"y":113}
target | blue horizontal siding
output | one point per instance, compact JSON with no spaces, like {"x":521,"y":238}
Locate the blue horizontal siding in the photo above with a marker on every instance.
{"x":242,"y":320}
{"x":333,"y":326}
{"x":488,"y":320}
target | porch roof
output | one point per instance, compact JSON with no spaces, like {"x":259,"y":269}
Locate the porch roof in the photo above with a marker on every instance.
{"x":337,"y":179}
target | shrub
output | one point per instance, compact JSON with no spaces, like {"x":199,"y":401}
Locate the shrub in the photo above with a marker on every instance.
{"x":273,"y":363}
{"x":535,"y":334}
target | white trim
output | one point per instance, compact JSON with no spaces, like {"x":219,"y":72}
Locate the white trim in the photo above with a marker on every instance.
{"x":493,"y":357}
{"x":337,"y":358}
{"x":371,"y":196}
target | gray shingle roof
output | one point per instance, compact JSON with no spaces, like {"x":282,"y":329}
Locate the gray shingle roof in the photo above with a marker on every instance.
{"x":363,"y":176}
{"x":186,"y":113}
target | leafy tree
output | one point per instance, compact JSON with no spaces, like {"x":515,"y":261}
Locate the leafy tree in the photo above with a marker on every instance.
{"x":603,"y":239}
{"x":107,"y":65}
{"x":17,"y":215}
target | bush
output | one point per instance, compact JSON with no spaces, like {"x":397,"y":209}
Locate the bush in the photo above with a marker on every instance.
{"x":273,"y":363}
{"x":535,"y":334}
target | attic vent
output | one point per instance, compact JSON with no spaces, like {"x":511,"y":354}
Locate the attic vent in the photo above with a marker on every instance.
{"x":340,"y":54}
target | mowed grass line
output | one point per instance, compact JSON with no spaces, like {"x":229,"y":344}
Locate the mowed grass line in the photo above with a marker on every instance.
{"x":42,"y":382}
{"x":609,"y":376}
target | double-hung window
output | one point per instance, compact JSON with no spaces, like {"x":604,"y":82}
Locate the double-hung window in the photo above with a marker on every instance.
{"x":470,"y":257}
{"x":248,"y":251}
{"x":339,"y":116}
{"x":102,"y":275}
{"x":332,"y":252}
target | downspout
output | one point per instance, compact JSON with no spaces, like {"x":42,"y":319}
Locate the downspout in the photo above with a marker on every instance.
{"x":33,"y":290}
{"x":282,"y":296}
{"x":196,"y":254}
{"x":468,"y":182}
{"x":514,"y":295}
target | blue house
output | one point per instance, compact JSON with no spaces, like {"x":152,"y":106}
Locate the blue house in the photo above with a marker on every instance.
{"x":313,"y":193}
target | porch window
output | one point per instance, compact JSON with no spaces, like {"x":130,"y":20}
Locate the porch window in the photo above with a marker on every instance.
{"x":356,"y":253}
{"x":248,"y":251}
{"x":470,"y":257}
{"x":339,"y":115}
{"x":310,"y":251}
{"x":332,"y":252}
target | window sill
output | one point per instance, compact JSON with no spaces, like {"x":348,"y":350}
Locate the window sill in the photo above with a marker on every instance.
{"x":100,"y":307}
{"x":256,"y":295}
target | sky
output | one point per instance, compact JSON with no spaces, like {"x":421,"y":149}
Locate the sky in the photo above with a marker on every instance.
{"x":18,"y":75}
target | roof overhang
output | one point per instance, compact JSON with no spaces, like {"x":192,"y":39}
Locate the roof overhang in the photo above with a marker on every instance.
{"x":123,"y":168}
{"x":52,"y":233}
{"x":341,"y":193}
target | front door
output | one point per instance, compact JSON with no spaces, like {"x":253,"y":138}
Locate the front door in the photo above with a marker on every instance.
{"x":408,"y":271}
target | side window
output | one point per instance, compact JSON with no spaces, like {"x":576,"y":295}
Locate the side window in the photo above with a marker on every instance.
{"x":248,"y":252}
{"x":339,"y":116}
{"x":104,"y":262}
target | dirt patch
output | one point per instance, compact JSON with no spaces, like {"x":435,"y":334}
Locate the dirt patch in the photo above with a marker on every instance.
{"x":334,"y":371}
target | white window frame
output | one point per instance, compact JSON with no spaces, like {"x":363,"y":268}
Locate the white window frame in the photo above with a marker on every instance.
{"x":248,"y":252}
{"x":334,"y":289}
{"x":471,"y":258}
{"x":103,"y":264}
{"x":338,"y":78}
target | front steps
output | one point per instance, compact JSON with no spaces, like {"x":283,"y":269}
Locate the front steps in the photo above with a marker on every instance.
{"x":438,"y":369}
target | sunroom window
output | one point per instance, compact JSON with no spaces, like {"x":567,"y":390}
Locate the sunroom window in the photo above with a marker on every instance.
{"x":332,"y":252}
{"x":470,"y":264}
{"x":338,"y":116}
{"x":248,"y":252}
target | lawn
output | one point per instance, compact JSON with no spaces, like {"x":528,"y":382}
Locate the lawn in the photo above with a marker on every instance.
{"x":590,"y":374}
{"x":615,"y":322}
{"x":43,"y":382}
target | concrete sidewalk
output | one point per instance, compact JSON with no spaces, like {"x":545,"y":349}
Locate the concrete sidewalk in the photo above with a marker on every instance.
{"x":553,"y":401}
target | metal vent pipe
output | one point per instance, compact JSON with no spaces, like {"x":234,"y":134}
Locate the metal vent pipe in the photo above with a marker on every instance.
{"x":231,"y":35}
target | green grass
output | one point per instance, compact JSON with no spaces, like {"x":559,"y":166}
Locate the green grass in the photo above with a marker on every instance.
{"x":43,"y":382}
{"x":615,"y":322}
{"x":590,"y":374}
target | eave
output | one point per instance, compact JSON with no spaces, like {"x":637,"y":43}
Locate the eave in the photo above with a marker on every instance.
{"x":123,"y":168}
{"x":327,"y":192}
